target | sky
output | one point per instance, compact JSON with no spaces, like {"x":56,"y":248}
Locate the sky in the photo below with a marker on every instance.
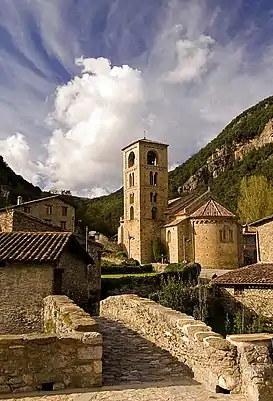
{"x":81,"y":79}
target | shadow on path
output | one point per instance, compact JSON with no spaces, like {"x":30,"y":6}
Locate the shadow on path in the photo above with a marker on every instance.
{"x":129,"y":358}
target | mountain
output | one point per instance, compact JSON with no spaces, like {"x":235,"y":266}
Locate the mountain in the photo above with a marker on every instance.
{"x":244,"y":147}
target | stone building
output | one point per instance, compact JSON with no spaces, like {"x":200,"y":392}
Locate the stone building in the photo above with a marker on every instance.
{"x":191,"y":227}
{"x":54,"y":209}
{"x":264,"y":233}
{"x":251,"y":286}
{"x":34,"y":265}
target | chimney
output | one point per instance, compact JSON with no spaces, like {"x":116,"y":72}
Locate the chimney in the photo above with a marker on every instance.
{"x":19,"y":200}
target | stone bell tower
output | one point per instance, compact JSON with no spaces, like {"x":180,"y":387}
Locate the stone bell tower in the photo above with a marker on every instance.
{"x":145,"y":179}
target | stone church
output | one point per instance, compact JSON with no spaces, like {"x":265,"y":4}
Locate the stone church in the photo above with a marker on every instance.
{"x":192,"y":228}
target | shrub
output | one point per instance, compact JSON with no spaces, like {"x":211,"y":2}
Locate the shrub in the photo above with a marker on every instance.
{"x":186,"y":272}
{"x":123,"y":268}
{"x":130,"y":262}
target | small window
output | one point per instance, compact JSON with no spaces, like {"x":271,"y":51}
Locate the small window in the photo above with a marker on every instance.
{"x":132,"y":214}
{"x":155,"y":178}
{"x":133,"y":179}
{"x":226,"y":235}
{"x":169,"y":236}
{"x":48,"y":209}
{"x":64,"y":210}
{"x":151,"y":196}
{"x":154,"y":213}
{"x":48,"y":220}
{"x":151,"y":158}
{"x":238,"y":290}
{"x":27,"y":209}
{"x":132,"y":198}
{"x":63,"y":224}
{"x":151,"y":178}
{"x":155,"y":198}
{"x":131,"y":159}
{"x":130,"y":180}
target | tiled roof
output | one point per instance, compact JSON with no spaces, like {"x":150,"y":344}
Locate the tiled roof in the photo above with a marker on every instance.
{"x":212,"y":209}
{"x":64,"y":198}
{"x":261,"y":221}
{"x":51,"y":227}
{"x":38,"y":247}
{"x":257,"y":274}
{"x":175,"y":221}
{"x":145,"y":140}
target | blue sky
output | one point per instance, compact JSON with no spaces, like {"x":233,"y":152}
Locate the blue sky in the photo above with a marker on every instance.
{"x":79,"y":79}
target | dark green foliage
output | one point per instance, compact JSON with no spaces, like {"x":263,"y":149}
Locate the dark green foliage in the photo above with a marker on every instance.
{"x":130,"y":262}
{"x":242,"y":323}
{"x":110,"y":268}
{"x":186,"y":272}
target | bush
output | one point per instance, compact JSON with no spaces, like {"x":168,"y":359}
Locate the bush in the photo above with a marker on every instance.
{"x":123,"y":268}
{"x":186,"y":272}
{"x":130,"y":262}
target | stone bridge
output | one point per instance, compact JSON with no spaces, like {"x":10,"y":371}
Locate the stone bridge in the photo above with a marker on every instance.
{"x":152,"y":353}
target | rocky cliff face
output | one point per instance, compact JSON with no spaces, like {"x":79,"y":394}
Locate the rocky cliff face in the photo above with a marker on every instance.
{"x":226,"y":156}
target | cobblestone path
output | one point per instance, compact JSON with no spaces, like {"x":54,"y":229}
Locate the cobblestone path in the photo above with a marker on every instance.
{"x":128,"y":358}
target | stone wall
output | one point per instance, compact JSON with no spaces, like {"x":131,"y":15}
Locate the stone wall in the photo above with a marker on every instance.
{"x":258,"y":300}
{"x":6,"y":221}
{"x":68,"y":357}
{"x":264,"y":239}
{"x":212,"y":359}
{"x":23,"y":288}
{"x":255,"y":359}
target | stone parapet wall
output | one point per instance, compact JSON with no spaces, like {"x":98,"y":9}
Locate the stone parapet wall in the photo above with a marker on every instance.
{"x":61,"y":315}
{"x":68,"y":355}
{"x":255,"y":359}
{"x":212,"y":359}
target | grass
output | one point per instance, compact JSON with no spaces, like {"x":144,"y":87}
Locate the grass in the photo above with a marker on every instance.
{"x":129,"y":274}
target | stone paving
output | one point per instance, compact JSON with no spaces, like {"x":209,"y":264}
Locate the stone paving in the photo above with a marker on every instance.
{"x":134,"y":369}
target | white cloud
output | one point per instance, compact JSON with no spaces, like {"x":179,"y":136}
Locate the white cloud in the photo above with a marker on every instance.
{"x":182,"y":90}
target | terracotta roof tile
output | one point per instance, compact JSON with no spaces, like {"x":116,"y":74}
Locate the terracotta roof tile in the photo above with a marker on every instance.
{"x":212,"y":209}
{"x":257,"y":274}
{"x":32,"y":247}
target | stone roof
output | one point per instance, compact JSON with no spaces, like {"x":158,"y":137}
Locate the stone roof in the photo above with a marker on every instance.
{"x":260,"y":274}
{"x":62,"y":197}
{"x":38,"y":246}
{"x":212,"y":208}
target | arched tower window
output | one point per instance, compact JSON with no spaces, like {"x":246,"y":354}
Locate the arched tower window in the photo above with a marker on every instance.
{"x":132,"y":198}
{"x":151,"y":196}
{"x":151,"y":158}
{"x":155,"y":178}
{"x":133,"y":179}
{"x":169,"y":236}
{"x":155,"y":198}
{"x":131,"y":159}
{"x":151,"y":178}
{"x":130,"y":180}
{"x":154,"y":213}
{"x":132,"y":213}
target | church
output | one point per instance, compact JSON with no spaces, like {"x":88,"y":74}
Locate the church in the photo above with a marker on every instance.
{"x":191,"y":228}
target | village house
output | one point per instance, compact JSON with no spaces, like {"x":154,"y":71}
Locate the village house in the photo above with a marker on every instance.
{"x":34,"y":265}
{"x":192,"y":228}
{"x":55,"y":209}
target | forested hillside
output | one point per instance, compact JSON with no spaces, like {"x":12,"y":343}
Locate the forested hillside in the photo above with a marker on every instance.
{"x":243,"y":148}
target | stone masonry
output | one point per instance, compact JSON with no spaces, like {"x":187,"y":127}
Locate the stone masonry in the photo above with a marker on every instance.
{"x":67,"y":355}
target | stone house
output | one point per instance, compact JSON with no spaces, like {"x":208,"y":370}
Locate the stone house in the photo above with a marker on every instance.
{"x":192,"y":228}
{"x":250,"y":286}
{"x":34,"y":265}
{"x":264,"y":233}
{"x":55,"y":209}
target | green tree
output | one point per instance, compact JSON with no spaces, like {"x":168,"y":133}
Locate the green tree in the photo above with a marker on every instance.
{"x":255,"y":199}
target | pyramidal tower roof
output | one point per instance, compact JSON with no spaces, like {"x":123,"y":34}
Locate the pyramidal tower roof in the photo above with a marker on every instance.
{"x":212,"y":208}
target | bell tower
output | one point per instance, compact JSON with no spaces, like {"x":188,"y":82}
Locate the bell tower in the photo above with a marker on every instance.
{"x":145,"y":179}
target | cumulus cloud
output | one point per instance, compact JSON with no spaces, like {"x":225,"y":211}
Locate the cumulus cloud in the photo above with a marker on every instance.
{"x":186,"y":84}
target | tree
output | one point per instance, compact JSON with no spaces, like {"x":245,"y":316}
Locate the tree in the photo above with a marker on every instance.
{"x":255,"y":199}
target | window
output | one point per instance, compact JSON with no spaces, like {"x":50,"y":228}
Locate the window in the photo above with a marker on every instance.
{"x":47,"y":220}
{"x":26,"y":209}
{"x":131,"y":159}
{"x":64,"y":210}
{"x":151,"y":158}
{"x":133,"y":179}
{"x":132,"y":198}
{"x":130,"y":180}
{"x":238,"y":290}
{"x":63,"y":224}
{"x":155,"y":198}
{"x":226,"y":234}
{"x":151,"y":196}
{"x":132,"y":213}
{"x":57,"y":281}
{"x":151,"y":178}
{"x":154,"y":213}
{"x":48,"y":209}
{"x":169,"y":236}
{"x":155,"y":178}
